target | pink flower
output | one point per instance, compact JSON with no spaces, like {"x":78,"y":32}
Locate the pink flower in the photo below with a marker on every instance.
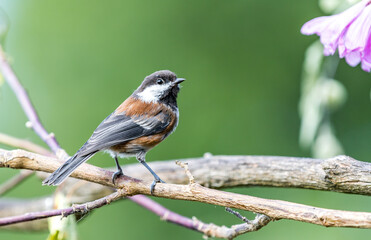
{"x":349,"y":32}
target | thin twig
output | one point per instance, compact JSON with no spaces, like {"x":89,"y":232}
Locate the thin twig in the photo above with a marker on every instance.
{"x":208,"y":229}
{"x":23,"y":144}
{"x":20,"y":206}
{"x":259,"y":221}
{"x":166,"y":214}
{"x":14,"y":181}
{"x":275,"y":209}
{"x":79,"y":208}
{"x":25,"y":102}
{"x":237,"y":214}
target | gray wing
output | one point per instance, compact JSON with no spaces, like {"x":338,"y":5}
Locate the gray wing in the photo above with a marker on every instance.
{"x":120,"y":128}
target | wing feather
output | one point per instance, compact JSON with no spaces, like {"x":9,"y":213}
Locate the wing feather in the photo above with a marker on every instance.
{"x":120,"y":128}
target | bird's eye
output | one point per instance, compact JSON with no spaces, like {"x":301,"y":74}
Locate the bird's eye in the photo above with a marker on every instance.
{"x":160,"y":81}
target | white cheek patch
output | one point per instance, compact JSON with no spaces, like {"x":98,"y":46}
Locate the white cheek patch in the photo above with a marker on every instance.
{"x":153,"y":93}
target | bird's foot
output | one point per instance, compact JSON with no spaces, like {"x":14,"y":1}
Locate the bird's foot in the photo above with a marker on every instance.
{"x":157,"y":180}
{"x":117,"y":174}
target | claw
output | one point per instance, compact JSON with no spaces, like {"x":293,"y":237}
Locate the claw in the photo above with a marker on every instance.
{"x":116,"y":175}
{"x":155,"y":181}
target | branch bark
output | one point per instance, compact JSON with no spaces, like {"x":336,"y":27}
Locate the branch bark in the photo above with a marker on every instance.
{"x":338,"y":174}
{"x":275,"y":209}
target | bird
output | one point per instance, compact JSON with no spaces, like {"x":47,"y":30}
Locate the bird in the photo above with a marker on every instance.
{"x":141,"y":122}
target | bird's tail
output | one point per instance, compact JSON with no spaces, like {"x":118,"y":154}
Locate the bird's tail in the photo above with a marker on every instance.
{"x":66,"y":169}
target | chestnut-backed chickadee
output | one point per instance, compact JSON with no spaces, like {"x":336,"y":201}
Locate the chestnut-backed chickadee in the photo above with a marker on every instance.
{"x":141,"y":122}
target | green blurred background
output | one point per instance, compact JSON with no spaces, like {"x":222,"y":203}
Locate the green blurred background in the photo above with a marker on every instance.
{"x":242,"y":60}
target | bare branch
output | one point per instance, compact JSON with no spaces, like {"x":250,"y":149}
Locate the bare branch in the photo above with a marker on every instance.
{"x":260,"y":221}
{"x":23,"y":144}
{"x":275,"y":209}
{"x":80,"y":208}
{"x":75,"y":191}
{"x":338,"y":174}
{"x":14,"y":207}
{"x":237,"y":214}
{"x":210,"y":230}
{"x":25,"y":102}
{"x":5,"y":187}
{"x":33,"y":219}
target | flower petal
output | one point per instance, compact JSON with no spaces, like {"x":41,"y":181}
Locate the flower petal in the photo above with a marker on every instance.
{"x":357,"y":34}
{"x":316,"y":25}
{"x":349,"y":32}
{"x":319,"y":26}
{"x":331,"y":28}
{"x":366,"y":59}
{"x":353,"y":58}
{"x":366,"y":66}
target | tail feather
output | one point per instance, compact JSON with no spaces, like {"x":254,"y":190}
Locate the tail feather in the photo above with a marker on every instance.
{"x":66,"y":169}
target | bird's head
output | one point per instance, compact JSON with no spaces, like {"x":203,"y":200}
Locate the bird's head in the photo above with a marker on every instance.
{"x":160,"y":86}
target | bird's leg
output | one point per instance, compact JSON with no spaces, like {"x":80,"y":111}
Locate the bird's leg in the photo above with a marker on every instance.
{"x":141,"y":157}
{"x":118,"y":172}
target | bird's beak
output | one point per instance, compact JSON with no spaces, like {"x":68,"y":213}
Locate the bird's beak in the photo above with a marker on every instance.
{"x":178,"y":80}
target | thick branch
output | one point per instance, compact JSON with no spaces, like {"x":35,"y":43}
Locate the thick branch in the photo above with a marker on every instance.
{"x":339,"y":174}
{"x":273,"y":208}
